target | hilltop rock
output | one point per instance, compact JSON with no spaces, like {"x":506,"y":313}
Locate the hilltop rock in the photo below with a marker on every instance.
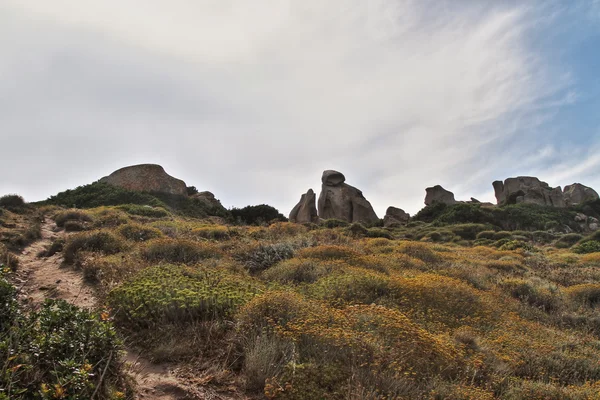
{"x":306,"y":210}
{"x":395,"y":217}
{"x":146,"y":178}
{"x":438,"y":194}
{"x":208,"y":198}
{"x":527,"y":189}
{"x":577,"y":193}
{"x":341,"y":201}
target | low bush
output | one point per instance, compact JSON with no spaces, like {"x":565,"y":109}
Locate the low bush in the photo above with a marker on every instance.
{"x":259,"y":257}
{"x":328,"y":253}
{"x":379,"y":233}
{"x":179,"y":251}
{"x":74,"y":226}
{"x":214,"y":232}
{"x":567,"y":240}
{"x":334,"y":223}
{"x":486,"y":235}
{"x":144,"y":210}
{"x":170,"y":293}
{"x":256,"y":215}
{"x":139,"y":233}
{"x":420,"y":251}
{"x":592,"y":246}
{"x":585,"y":294}
{"x":539,"y":297}
{"x":468,"y":231}
{"x":13,"y":202}
{"x":301,"y":270}
{"x":97,"y":241}
{"x":57,"y":352}
{"x":7,"y":259}
{"x":71,"y":215}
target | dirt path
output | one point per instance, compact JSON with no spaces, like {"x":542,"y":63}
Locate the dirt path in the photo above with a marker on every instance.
{"x":39,"y":278}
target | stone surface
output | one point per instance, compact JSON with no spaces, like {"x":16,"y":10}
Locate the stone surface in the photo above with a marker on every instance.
{"x":208,"y":198}
{"x":306,"y":209}
{"x":395,"y":217}
{"x":529,"y":190}
{"x":341,"y":201}
{"x":577,"y":193}
{"x":438,"y":194}
{"x":146,"y":178}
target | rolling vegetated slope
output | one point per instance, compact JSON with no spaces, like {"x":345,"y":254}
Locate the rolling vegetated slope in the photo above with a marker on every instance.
{"x":458,"y":304}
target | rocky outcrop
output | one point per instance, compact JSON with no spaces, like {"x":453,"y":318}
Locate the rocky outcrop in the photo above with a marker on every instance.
{"x":306,"y":210}
{"x":527,"y":189}
{"x":146,"y":178}
{"x":438,"y":194}
{"x":207,"y":198}
{"x":395,"y":217}
{"x":341,"y":201}
{"x":577,"y":193}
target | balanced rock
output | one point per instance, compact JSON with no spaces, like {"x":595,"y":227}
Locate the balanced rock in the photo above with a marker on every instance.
{"x":306,"y":210}
{"x":395,"y":217}
{"x":438,"y":194}
{"x":577,"y":193}
{"x":527,"y":189}
{"x":146,"y":178}
{"x":341,"y":201}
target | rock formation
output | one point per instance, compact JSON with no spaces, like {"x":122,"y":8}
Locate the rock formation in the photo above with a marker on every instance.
{"x":395,"y":217}
{"x":207,"y":198}
{"x":146,"y":178}
{"x":438,"y":194}
{"x":341,"y":201}
{"x":527,"y":189}
{"x":577,"y":193}
{"x":306,"y":210}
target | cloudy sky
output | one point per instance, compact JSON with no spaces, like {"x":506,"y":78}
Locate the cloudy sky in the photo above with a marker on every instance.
{"x":253,"y":100}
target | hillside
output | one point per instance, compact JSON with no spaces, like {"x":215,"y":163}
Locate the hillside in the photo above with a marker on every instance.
{"x":462,"y":302}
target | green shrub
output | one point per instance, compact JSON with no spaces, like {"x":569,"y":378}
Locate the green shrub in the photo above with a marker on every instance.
{"x":543,"y":237}
{"x":486,"y":235}
{"x":516,"y":244}
{"x":257,"y":215}
{"x":379,"y":233}
{"x":263,"y":256}
{"x":216,"y":232}
{"x":420,"y":251}
{"x":587,"y":294}
{"x":328,"y":253}
{"x":179,"y":251}
{"x":333,"y":223}
{"x":567,"y":240}
{"x":100,"y":241}
{"x":441,"y":236}
{"x":74,"y":226}
{"x":300,"y":270}
{"x":144,"y":210}
{"x":58,"y":352}
{"x":527,"y":292}
{"x":12,"y":202}
{"x":592,"y":246}
{"x":169,"y":293}
{"x":7,"y":259}
{"x":110,"y":218}
{"x":139,"y":233}
{"x":357,"y":229}
{"x":71,"y":215}
{"x":468,"y":231}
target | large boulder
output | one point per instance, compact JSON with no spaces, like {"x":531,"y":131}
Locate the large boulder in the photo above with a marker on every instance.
{"x":577,"y":193}
{"x":146,"y":178}
{"x":306,"y":210}
{"x":208,"y":199}
{"x":395,"y":217}
{"x":344,"y":202}
{"x":438,"y":194}
{"x":527,"y":189}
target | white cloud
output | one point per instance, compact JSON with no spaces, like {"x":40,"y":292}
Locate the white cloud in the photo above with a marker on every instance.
{"x":253,"y":100}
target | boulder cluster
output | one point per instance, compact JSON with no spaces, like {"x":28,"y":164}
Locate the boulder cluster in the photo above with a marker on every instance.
{"x":530,"y":190}
{"x":338,"y":200}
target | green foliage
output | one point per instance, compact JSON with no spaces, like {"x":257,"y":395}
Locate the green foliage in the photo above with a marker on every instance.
{"x":169,"y":293}
{"x":57,"y":352}
{"x":13,"y":202}
{"x":144,"y":211}
{"x":179,"y":251}
{"x":139,"y":233}
{"x":212,"y":232}
{"x":71,"y":215}
{"x":101,"y":241}
{"x":592,"y":246}
{"x":567,"y":240}
{"x":333,"y":223}
{"x":468,"y":231}
{"x":257,"y":215}
{"x":300,"y":270}
{"x":260,"y":257}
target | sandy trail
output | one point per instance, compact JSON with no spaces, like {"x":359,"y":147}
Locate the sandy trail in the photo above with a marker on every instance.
{"x":39,"y":278}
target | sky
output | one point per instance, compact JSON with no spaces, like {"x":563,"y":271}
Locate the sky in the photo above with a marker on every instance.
{"x":253,"y":100}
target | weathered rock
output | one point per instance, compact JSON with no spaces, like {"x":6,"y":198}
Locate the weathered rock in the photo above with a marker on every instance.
{"x":438,"y":194}
{"x":395,"y":217}
{"x":341,"y":201}
{"x":208,"y":198}
{"x":146,"y":178}
{"x":577,"y":193}
{"x":306,"y":210}
{"x":527,"y":189}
